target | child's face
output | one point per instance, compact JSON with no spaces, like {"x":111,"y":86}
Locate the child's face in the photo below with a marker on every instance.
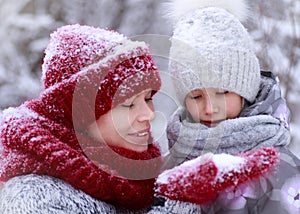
{"x":211,"y":106}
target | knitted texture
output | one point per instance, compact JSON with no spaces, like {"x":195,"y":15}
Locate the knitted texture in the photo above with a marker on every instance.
{"x":212,"y":49}
{"x":86,"y":72}
{"x":33,"y":144}
{"x":21,"y":194}
{"x":40,"y":194}
{"x":263,"y":123}
{"x":201,"y":179}
{"x":80,"y":60}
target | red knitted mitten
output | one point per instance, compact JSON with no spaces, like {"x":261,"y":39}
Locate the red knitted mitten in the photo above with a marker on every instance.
{"x":201,"y":179}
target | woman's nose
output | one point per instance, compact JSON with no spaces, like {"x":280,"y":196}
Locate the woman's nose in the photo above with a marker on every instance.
{"x":146,"y":112}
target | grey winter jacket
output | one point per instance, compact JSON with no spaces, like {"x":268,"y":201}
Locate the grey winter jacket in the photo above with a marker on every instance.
{"x":40,"y":194}
{"x":262,"y":123}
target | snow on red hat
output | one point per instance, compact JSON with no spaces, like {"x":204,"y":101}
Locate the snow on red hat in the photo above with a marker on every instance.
{"x":94,"y":69}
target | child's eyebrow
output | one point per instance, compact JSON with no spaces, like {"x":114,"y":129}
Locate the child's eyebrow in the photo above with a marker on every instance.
{"x":196,"y":90}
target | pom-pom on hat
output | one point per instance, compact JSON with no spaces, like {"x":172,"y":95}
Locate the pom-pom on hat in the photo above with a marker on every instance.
{"x":211,"y":48}
{"x":93,"y":70}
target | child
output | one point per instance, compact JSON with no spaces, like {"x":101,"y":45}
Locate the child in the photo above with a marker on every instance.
{"x":229,"y":106}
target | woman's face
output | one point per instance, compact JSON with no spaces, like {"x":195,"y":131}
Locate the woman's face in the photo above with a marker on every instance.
{"x":128,"y":124}
{"x":211,"y":106}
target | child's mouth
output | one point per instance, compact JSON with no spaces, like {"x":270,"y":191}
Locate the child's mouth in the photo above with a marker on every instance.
{"x":212,"y":123}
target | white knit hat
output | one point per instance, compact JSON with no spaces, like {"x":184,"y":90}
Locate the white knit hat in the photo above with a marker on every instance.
{"x":211,"y":48}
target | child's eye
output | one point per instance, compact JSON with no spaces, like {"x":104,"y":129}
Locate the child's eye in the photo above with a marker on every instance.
{"x":222,"y":92}
{"x":196,"y":97}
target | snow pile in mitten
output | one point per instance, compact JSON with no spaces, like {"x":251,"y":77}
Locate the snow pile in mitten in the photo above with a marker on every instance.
{"x":200,"y":180}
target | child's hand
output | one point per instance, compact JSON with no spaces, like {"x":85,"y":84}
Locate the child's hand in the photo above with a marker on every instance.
{"x":202,"y":179}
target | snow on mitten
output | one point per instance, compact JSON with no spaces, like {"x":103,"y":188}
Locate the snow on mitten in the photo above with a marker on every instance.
{"x":201,"y":180}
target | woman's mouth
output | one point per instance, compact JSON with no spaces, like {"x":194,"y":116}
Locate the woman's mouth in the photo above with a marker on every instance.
{"x":138,"y":141}
{"x":140,"y":137}
{"x":142,"y":134}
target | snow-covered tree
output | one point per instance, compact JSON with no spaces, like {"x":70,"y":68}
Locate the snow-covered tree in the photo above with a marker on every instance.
{"x":275,"y":26}
{"x":23,"y":36}
{"x":277,"y":32}
{"x":25,"y":27}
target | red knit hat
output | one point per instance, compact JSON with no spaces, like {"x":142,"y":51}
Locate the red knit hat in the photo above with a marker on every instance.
{"x":86,"y":72}
{"x":93,"y":70}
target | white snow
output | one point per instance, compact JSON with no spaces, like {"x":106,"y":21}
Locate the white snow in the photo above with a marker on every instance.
{"x":226,"y":163}
{"x":163,"y":177}
{"x":186,"y":167}
{"x":21,"y":112}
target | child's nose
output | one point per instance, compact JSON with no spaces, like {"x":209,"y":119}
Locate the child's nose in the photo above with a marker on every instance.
{"x":211,"y":106}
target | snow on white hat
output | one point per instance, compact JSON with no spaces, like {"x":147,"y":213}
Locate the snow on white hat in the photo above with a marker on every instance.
{"x":211,"y":48}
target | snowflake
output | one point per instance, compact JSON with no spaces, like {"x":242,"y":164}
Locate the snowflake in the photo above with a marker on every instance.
{"x":236,"y":197}
{"x":290,"y":194}
{"x":293,"y":197}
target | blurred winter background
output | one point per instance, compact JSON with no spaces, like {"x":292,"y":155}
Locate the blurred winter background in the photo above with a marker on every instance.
{"x":25,"y":27}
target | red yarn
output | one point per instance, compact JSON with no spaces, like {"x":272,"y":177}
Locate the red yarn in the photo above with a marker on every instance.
{"x":201,"y":180}
{"x":72,"y":48}
{"x":90,"y":70}
{"x":38,"y":145}
{"x":86,"y":72}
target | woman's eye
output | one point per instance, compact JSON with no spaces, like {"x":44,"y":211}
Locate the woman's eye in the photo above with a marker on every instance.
{"x":148,"y":99}
{"x":128,"y":105}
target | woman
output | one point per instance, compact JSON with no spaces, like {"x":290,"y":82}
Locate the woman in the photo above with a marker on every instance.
{"x":85,"y":145}
{"x":53,"y":135}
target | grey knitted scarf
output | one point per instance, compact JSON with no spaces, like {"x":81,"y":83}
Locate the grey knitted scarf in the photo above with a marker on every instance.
{"x":262,"y":123}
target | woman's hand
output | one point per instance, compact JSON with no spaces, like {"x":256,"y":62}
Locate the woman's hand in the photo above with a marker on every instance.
{"x":201,"y":180}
